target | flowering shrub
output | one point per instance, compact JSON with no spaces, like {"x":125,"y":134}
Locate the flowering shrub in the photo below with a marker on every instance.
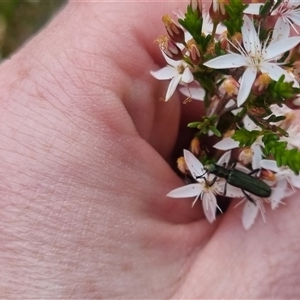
{"x":243,"y":61}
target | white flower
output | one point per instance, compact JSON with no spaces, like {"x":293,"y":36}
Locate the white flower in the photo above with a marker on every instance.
{"x":250,"y":211}
{"x":282,"y":172}
{"x":297,"y":100}
{"x":252,"y":208}
{"x":202,"y":188}
{"x":287,"y":13}
{"x":280,"y":110}
{"x":253,"y":8}
{"x":193,"y":92}
{"x":254,"y":57}
{"x":290,"y":124}
{"x":229,"y":143}
{"x":179,"y":73}
{"x":293,"y":129}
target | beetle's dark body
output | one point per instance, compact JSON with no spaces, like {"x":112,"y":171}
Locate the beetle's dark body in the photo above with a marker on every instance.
{"x":241,"y":180}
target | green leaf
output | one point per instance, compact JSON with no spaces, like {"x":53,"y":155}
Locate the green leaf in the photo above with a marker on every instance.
{"x":193,"y":24}
{"x":279,"y":91}
{"x":278,"y":150}
{"x":274,"y":118}
{"x":193,"y":124}
{"x":277,"y":3}
{"x":215,"y":131}
{"x":265,"y":9}
{"x":235,"y":10}
{"x":245,"y":137}
{"x":207,"y":124}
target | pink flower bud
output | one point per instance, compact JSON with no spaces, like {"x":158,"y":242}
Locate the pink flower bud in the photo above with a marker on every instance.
{"x":217,"y":11}
{"x":174,"y":31}
{"x":169,"y":47}
{"x":195,"y":55}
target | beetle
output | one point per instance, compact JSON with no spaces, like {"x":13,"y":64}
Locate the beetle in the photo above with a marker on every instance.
{"x":239,"y":179}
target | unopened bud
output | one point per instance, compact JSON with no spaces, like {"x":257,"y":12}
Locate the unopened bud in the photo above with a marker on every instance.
{"x":236,"y":41}
{"x":217,"y":11}
{"x":211,"y":50}
{"x":229,"y":133}
{"x":258,"y":111}
{"x":246,"y":155}
{"x":296,"y":70}
{"x":267,"y":175}
{"x":224,"y":41}
{"x":229,"y":87}
{"x":174,"y":31}
{"x":196,"y":5}
{"x":261,"y":84}
{"x":195,"y":55}
{"x":181,"y":165}
{"x":169,"y":47}
{"x":195,"y":146}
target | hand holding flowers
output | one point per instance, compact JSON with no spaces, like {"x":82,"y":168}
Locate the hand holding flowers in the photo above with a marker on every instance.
{"x":245,"y":71}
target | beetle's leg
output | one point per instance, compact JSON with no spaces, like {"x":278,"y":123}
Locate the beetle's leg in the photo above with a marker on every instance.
{"x":225,"y":189}
{"x":254,"y":172}
{"x":200,"y":176}
{"x":248,"y":197}
{"x":212,"y":182}
{"x":233,"y":166}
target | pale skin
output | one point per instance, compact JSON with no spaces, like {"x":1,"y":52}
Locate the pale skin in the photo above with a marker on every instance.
{"x":84,"y":141}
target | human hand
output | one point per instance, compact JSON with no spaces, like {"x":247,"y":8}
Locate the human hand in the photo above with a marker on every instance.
{"x":84,"y":144}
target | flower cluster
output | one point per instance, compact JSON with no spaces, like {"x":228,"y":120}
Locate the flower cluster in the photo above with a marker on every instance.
{"x":243,"y":62}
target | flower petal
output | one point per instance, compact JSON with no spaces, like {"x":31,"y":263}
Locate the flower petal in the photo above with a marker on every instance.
{"x":280,"y":47}
{"x":294,"y":16}
{"x":295,"y":180}
{"x":171,"y":62}
{"x":293,"y":141}
{"x":249,"y":214}
{"x":234,"y":192}
{"x":195,"y":166}
{"x":256,"y":158}
{"x":209,"y":203}
{"x":226,"y":144}
{"x":224,"y":159}
{"x":280,"y":110}
{"x":187,"y":75}
{"x":194,"y":93}
{"x":249,"y":124}
{"x":242,"y":168}
{"x":187,"y":191}
{"x":275,"y":72}
{"x":281,"y":30}
{"x":172,"y":87}
{"x":278,"y":193}
{"x":253,"y":8}
{"x":297,"y":101}
{"x":231,"y":191}
{"x":227,"y":61}
{"x":251,"y":40}
{"x":269,"y":165}
{"x":164,"y":73}
{"x":246,"y":85}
